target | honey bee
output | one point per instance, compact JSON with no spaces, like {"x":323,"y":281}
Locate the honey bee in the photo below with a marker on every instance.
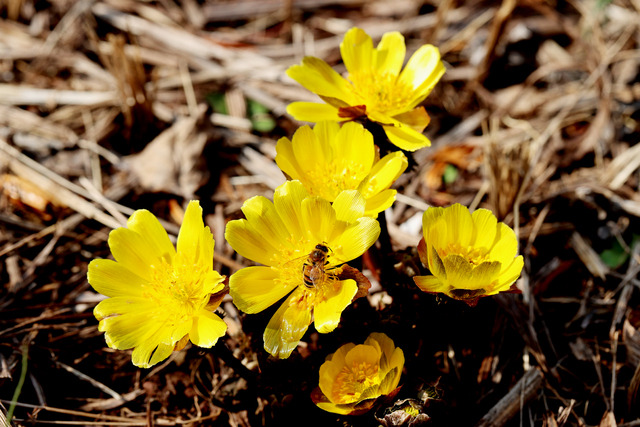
{"x":313,"y":269}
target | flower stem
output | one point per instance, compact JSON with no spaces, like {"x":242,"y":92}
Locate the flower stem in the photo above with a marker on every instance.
{"x":381,"y":140}
{"x":23,"y":375}
{"x":227,"y":356}
{"x":385,"y":238}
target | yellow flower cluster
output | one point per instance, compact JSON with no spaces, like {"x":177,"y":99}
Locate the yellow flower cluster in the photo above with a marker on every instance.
{"x":160,"y":297}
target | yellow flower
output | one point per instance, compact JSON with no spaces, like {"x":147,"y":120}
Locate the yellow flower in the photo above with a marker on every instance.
{"x":159,"y":298}
{"x":282,"y":235}
{"x":330,"y":159}
{"x":378,"y":88}
{"x":352,"y":378}
{"x":469,"y":255}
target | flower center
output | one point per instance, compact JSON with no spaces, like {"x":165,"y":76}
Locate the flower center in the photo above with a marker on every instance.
{"x":472,"y":254}
{"x":381,"y":92}
{"x":333,"y":177}
{"x":352,"y":380}
{"x":316,"y":273}
{"x":178,"y":288}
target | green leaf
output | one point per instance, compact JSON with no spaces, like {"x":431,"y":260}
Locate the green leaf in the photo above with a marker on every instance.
{"x":617,"y":255}
{"x":602,"y":4}
{"x":450,"y":174}
{"x":260,"y":117}
{"x":217,"y":102}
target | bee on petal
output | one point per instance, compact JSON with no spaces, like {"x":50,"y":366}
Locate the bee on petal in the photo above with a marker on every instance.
{"x":303,"y":242}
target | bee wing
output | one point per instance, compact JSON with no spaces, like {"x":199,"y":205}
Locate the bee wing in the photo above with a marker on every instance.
{"x":297,"y":260}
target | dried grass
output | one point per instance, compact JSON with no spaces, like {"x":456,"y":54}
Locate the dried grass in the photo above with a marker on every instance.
{"x":104,"y":109}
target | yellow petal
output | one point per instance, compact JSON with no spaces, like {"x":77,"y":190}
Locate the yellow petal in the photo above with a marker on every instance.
{"x":328,"y":373}
{"x":349,"y":206}
{"x":318,"y":77}
{"x":485,"y":224}
{"x":400,"y":134}
{"x":391,"y":52}
{"x":397,"y":362}
{"x":459,"y":224}
{"x":385,"y":344}
{"x":429,"y":218}
{"x":430,"y":284}
{"x":362,"y":354}
{"x":484,"y":274}
{"x":336,"y":409}
{"x":155,"y":237}
{"x":354,"y":145}
{"x":263,"y":217}
{"x":337,"y":358}
{"x":388,"y":383}
{"x":319,"y":218}
{"x":287,"y":200}
{"x":127,"y":322}
{"x":511,"y":273}
{"x":462,"y":275}
{"x":422,"y":91}
{"x":332,"y":367}
{"x":286,"y":159}
{"x":417,"y":119}
{"x":112,"y":279}
{"x":123,"y":305}
{"x":250,"y":241}
{"x":327,"y":313}
{"x":357,"y":51}
{"x":356,"y":239}
{"x":312,"y":111}
{"x":126,"y":331}
{"x":379,"y":203}
{"x":286,"y":328}
{"x":216,"y":294}
{"x":458,"y":271}
{"x":506,"y":246}
{"x":423,"y":70}
{"x":207,"y":328}
{"x":161,"y":353}
{"x":384,"y":173}
{"x":335,"y":103}
{"x":151,"y":351}
{"x":143,"y":244}
{"x":179,"y":330}
{"x":431,"y":215}
{"x":387,"y":347}
{"x":436,"y":265}
{"x":195,"y":241}
{"x":255,"y":288}
{"x":212,"y":282}
{"x":404,"y":137}
{"x":310,"y":150}
{"x":326,"y":132}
